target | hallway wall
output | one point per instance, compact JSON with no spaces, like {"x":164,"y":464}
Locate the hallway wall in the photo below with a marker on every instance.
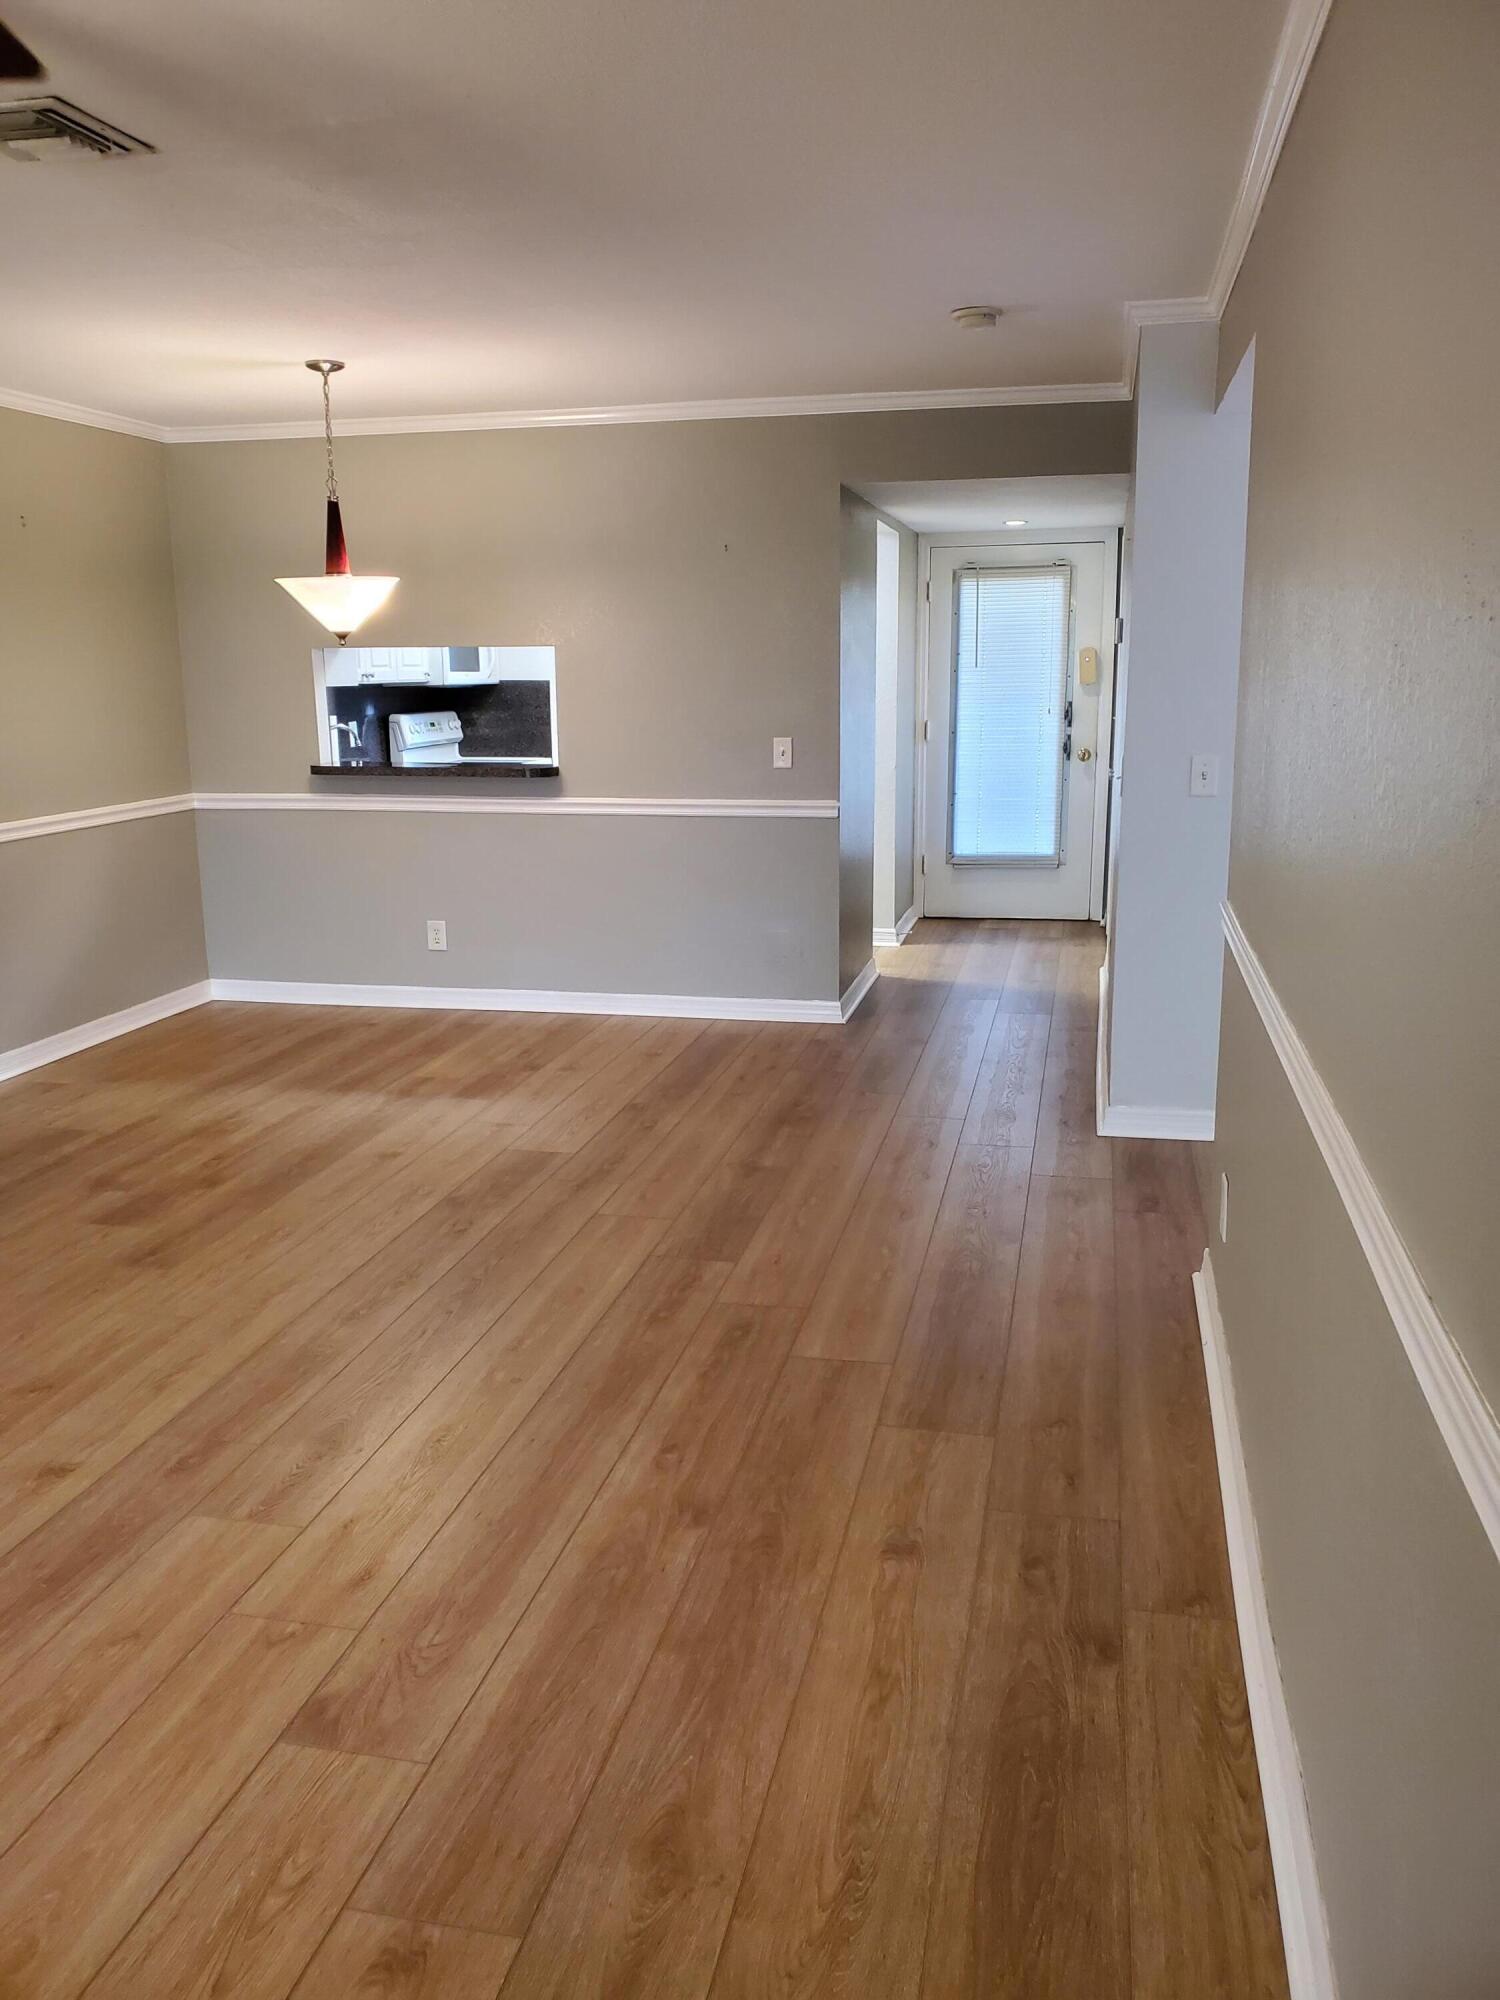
{"x":1366,"y":848}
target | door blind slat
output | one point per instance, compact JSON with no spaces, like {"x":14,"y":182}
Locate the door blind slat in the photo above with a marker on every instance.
{"x":1009,"y":690}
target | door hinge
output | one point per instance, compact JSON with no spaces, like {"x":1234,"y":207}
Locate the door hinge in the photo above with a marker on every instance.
{"x":927,"y":590}
{"x":924,"y":864}
{"x":1119,"y":631}
{"x":924,"y":729}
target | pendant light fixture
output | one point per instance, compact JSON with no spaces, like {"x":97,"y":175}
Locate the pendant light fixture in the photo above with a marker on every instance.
{"x":338,"y":599}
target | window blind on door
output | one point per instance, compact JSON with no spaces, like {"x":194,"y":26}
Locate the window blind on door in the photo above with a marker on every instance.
{"x":1009,"y":690}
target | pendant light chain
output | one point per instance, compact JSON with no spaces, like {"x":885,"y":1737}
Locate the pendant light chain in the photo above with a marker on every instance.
{"x":333,"y":485}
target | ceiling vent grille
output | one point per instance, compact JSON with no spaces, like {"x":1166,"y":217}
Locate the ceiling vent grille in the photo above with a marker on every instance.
{"x":46,"y":128}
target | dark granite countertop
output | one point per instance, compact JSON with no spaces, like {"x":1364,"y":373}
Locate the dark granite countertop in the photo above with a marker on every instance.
{"x":470,"y":770}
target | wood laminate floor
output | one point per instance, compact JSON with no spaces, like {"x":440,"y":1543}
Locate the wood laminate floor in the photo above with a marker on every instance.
{"x":616,"y":1508}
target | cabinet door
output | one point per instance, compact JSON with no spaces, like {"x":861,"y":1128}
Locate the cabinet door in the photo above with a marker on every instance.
{"x":345,"y":666}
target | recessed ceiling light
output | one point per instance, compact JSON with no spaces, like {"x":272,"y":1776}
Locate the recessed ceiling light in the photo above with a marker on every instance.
{"x":1015,"y":524}
{"x":975,"y":316}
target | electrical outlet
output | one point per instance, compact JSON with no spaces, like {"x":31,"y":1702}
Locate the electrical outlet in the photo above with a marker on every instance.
{"x":1223,"y":1208}
{"x":781,"y":753}
{"x":437,"y":934}
{"x":1203,"y":779}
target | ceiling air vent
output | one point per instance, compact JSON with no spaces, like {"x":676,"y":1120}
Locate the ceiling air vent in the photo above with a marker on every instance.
{"x":49,"y":128}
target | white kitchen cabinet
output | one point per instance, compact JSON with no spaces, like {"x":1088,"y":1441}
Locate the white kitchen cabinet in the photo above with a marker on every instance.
{"x":383,"y":666}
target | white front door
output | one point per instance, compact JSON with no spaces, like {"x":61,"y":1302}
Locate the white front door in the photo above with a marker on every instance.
{"x":1013,"y":728}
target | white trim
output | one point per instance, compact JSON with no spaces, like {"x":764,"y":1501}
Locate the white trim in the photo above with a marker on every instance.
{"x":524,"y":1000}
{"x":1137,"y":1121}
{"x":856,"y":990}
{"x":1304,"y":1924}
{"x":52,"y":1048}
{"x":1301,"y":32}
{"x":900,"y":931}
{"x":709,"y":410}
{"x":1153,"y":1121}
{"x":1465,"y":1419}
{"x":74,"y":822}
{"x":1157,"y":312}
{"x":78,"y":413}
{"x":621,"y":808}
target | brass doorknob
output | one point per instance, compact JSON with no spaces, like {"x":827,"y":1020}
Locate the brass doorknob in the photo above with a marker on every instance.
{"x":1084,"y":756}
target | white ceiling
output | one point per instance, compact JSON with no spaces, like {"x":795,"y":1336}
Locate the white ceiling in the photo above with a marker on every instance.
{"x":581,"y":203}
{"x":974,"y":506}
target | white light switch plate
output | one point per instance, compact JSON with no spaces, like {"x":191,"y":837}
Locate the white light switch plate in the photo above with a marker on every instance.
{"x":1203,"y":783}
{"x":781,"y":753}
{"x":437,"y":934}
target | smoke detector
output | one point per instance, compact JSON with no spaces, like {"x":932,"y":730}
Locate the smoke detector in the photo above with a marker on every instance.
{"x":49,"y":128}
{"x":975,"y":316}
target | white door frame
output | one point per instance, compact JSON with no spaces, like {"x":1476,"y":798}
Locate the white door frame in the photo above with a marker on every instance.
{"x":1020,"y":538}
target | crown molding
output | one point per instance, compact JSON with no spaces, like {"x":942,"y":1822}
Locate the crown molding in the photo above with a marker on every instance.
{"x":873,"y":403}
{"x":1300,"y":35}
{"x":712,"y":411}
{"x":78,"y":413}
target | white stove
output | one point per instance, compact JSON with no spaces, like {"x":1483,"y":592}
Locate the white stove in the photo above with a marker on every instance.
{"x":433,"y":738}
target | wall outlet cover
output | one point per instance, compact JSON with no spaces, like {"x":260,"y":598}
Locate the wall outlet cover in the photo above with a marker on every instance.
{"x":437,"y":934}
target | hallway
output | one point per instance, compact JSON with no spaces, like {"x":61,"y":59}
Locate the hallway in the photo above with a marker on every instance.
{"x":611,"y":1506}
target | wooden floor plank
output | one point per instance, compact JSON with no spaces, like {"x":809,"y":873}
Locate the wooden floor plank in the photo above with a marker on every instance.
{"x":381,"y":1958}
{"x":948,"y":1368}
{"x":1007,"y":1095}
{"x":643,"y":1893}
{"x":1030,"y":1899}
{"x":1203,"y":1902}
{"x":481,"y":1837}
{"x":790,"y":1251}
{"x":404,"y":1682}
{"x":82,"y":1873}
{"x":944,"y":1078}
{"x":1058,"y":1435}
{"x":834,"y":1897}
{"x":342,"y":1566}
{"x":860,"y":1308}
{"x":1067,"y":1140}
{"x":473,"y":1331}
{"x":247,"y":1909}
{"x":67,"y":1700}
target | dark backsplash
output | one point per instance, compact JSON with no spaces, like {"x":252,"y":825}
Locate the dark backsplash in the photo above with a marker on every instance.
{"x":508,"y":719}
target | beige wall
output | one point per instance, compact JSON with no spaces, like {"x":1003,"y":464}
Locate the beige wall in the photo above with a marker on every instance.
{"x":1366,"y":836}
{"x":88,"y":625}
{"x":1366,"y":849}
{"x":689,"y":576}
{"x":93,"y":920}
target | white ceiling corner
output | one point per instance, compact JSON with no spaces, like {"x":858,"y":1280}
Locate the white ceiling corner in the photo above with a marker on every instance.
{"x":510,"y":221}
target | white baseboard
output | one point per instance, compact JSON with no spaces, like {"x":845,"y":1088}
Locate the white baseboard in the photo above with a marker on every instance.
{"x":1153,"y":1121}
{"x":52,"y":1048}
{"x":902,"y":930}
{"x":1304,"y":1926}
{"x":528,"y":1000}
{"x":856,"y":991}
{"x":1137,"y":1121}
